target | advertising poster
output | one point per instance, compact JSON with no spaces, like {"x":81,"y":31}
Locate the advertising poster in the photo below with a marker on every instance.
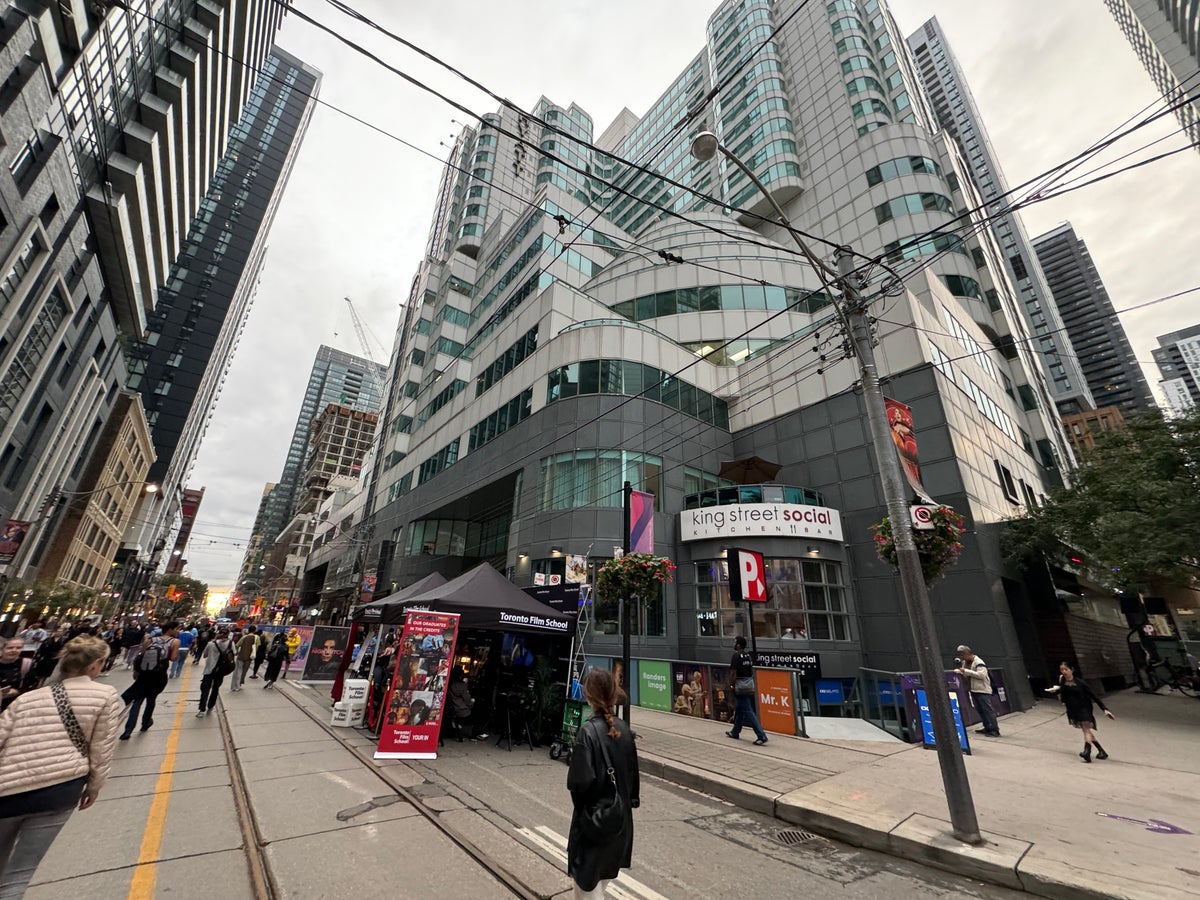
{"x":576,"y":569}
{"x":927,"y":736}
{"x":300,"y":656}
{"x":900,"y":422}
{"x":723,"y":703}
{"x":328,"y":643}
{"x":776,"y":705}
{"x":690,"y":684}
{"x":654,"y":685}
{"x":12,"y":538}
{"x":413,"y":711}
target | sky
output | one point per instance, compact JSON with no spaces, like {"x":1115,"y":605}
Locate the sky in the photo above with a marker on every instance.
{"x":1050,"y":79}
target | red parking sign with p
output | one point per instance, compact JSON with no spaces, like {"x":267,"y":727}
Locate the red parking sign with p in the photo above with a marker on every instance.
{"x":748,"y":577}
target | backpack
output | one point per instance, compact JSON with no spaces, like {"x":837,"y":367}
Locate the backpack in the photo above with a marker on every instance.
{"x":226,"y":662}
{"x":158,"y":662}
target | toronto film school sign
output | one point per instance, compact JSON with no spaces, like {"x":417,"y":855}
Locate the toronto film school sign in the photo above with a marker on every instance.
{"x":760,"y":520}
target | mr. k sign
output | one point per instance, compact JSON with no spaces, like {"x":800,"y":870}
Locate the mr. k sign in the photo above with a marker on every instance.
{"x":747,"y":576}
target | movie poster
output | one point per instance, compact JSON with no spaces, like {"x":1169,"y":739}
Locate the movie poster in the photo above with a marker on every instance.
{"x":723,"y":704}
{"x":325,"y":653}
{"x":413,"y":710}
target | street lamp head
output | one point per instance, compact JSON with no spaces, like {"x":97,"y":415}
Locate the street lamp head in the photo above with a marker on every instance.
{"x":705,"y":146}
{"x":151,"y":487}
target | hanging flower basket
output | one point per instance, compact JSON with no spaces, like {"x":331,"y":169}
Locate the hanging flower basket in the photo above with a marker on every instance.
{"x":633,"y":575}
{"x":938,"y":548}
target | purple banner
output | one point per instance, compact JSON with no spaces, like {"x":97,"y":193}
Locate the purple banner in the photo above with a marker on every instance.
{"x":641,"y":522}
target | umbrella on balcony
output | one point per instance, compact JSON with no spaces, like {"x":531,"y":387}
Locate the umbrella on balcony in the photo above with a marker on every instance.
{"x":751,"y":470}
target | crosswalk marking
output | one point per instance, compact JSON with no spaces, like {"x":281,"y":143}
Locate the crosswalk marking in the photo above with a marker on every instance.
{"x":555,"y":845}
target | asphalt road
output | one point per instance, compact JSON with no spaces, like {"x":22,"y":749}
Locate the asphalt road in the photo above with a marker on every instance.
{"x":686,"y":844}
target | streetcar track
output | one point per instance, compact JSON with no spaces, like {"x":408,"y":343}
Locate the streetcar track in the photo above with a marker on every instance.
{"x":501,"y":873}
{"x":263,"y":885}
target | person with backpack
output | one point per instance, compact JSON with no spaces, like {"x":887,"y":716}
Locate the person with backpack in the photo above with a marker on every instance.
{"x":150,"y":674}
{"x":219,"y":661}
{"x":741,"y":668}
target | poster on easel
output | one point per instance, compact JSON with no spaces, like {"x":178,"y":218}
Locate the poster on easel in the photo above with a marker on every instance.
{"x":413,"y":711}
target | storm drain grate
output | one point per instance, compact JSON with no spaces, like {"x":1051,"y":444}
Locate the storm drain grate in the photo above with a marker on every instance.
{"x":792,"y":838}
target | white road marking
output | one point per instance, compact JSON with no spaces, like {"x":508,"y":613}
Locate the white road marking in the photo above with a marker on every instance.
{"x":555,"y":845}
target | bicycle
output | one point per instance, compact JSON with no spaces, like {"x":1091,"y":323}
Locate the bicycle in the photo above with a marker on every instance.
{"x":1160,"y":673}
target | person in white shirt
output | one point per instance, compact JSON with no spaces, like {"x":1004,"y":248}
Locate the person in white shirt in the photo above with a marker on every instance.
{"x":974,"y":671}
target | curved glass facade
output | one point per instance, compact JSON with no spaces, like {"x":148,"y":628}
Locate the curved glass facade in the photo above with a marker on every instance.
{"x":632,"y":379}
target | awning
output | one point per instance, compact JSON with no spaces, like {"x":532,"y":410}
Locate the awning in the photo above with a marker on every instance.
{"x":486,"y":599}
{"x":373,"y":612}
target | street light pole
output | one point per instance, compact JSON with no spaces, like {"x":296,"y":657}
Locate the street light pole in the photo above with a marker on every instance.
{"x":853,"y":309}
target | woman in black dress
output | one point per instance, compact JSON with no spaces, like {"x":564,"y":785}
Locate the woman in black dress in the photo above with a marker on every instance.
{"x":1078,"y":698}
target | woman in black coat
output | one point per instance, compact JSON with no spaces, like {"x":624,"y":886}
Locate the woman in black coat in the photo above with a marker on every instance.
{"x":1078,"y":698}
{"x":276,"y":656}
{"x":593,"y":859}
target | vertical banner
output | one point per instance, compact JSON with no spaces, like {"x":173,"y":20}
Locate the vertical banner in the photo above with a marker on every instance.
{"x":900,"y":422}
{"x":776,"y":705}
{"x":641,"y":522}
{"x":413,"y":711}
{"x":11,"y":539}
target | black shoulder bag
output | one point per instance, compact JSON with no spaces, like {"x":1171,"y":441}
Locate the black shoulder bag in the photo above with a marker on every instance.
{"x":605,"y":818}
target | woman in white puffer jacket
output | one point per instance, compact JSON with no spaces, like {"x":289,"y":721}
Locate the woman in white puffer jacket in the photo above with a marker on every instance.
{"x":56,"y":744}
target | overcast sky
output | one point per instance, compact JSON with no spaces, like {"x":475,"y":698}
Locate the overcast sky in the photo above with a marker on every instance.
{"x":1049,"y":77}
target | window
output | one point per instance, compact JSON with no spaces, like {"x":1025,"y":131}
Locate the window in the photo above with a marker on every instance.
{"x":615,"y":376}
{"x":1007,"y":484}
{"x":912,"y":203}
{"x":1018,"y":266}
{"x":582,"y":478}
{"x":807,"y":600}
{"x":904,"y":165}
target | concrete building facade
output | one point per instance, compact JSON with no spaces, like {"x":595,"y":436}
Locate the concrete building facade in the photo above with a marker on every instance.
{"x":1165,"y":35}
{"x":1178,"y":359}
{"x":955,"y":110}
{"x":1091,"y":323}
{"x":549,"y":353}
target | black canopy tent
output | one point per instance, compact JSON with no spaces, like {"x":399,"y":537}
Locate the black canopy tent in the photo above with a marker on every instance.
{"x":487,"y":600}
{"x":373,"y":613}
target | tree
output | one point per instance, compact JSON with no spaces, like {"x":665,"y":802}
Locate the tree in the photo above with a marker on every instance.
{"x":187,"y":596}
{"x":1133,"y":506}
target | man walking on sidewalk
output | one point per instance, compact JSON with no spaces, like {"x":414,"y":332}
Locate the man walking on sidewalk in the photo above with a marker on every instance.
{"x":219,"y":661}
{"x":260,"y":653}
{"x":741,"y":671}
{"x":150,"y":677}
{"x":974,"y":671}
{"x":245,"y":654}
{"x":186,"y":637}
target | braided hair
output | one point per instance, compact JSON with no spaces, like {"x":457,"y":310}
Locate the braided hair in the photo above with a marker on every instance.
{"x":602,"y":694}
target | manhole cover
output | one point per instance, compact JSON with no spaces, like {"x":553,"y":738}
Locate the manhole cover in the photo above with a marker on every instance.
{"x":792,"y":838}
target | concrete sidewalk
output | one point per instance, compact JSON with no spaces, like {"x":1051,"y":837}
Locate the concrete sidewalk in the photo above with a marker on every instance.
{"x":1047,"y":816}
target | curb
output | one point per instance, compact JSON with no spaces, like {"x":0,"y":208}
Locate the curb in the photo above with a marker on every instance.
{"x":999,"y":861}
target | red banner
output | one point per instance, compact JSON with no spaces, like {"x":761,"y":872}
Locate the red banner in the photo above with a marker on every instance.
{"x":413,"y":711}
{"x":900,"y":421}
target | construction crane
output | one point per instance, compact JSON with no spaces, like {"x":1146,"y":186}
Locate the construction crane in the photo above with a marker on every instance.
{"x":364,"y":336}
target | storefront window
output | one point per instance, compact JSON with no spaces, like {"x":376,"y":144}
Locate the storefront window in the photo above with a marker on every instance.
{"x":806,"y":602}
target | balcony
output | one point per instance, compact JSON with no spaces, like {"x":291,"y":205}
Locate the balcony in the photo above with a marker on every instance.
{"x":753,"y":493}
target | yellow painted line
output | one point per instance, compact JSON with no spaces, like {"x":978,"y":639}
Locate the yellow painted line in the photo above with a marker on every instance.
{"x":144,"y":876}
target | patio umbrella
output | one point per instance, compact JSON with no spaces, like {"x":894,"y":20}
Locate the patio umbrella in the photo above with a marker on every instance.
{"x":751,"y":470}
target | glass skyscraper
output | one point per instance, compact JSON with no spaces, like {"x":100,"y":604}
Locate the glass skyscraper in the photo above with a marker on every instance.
{"x":598,"y":306}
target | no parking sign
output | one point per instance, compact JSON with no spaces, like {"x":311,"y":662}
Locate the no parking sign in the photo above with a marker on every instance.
{"x":922,"y":516}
